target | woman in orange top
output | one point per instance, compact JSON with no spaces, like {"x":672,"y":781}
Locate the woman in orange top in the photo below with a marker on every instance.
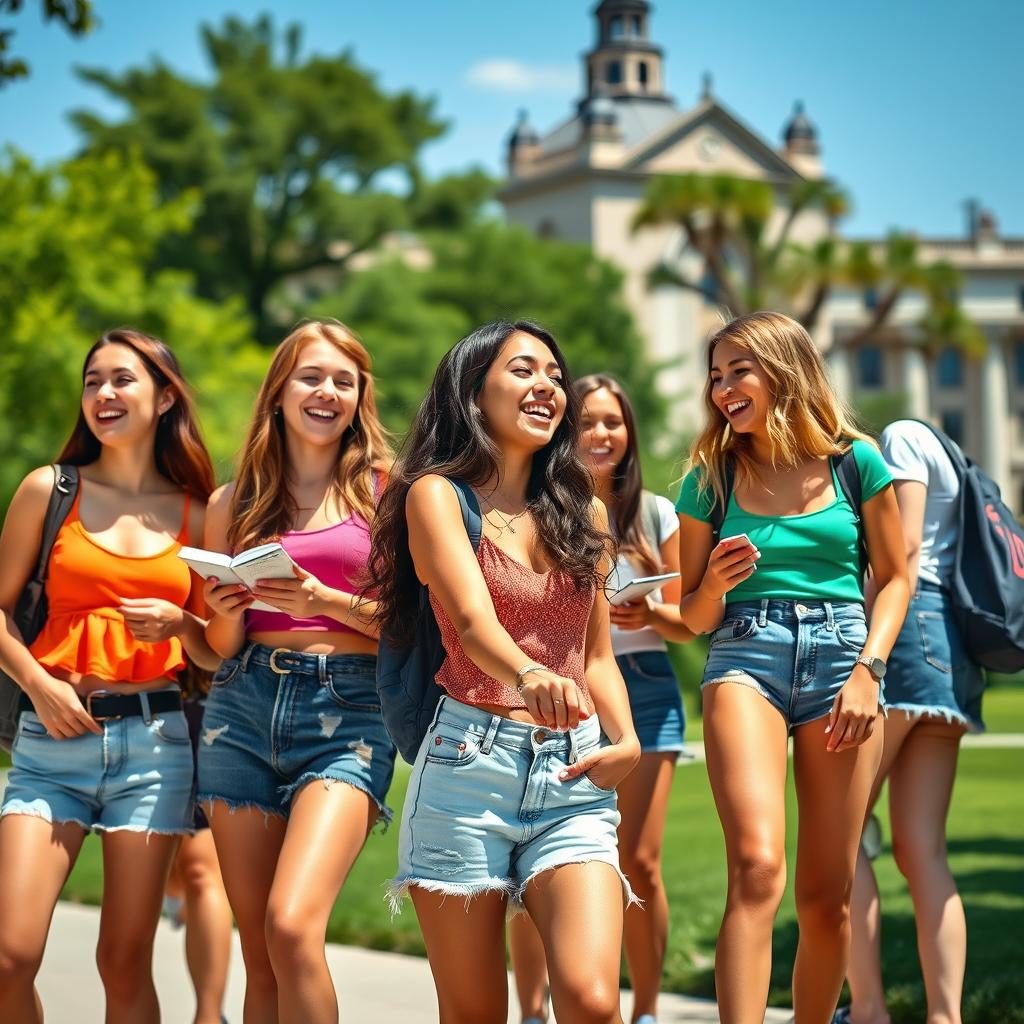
{"x":102,"y":742}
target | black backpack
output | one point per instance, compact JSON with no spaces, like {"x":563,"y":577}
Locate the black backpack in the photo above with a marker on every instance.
{"x":847,"y":473}
{"x":30,"y":611}
{"x":988,"y":570}
{"x":405,"y":675}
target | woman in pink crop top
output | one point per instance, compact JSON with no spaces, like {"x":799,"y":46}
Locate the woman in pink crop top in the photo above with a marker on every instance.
{"x":293,"y":711}
{"x":102,"y":743}
{"x":512,"y":795}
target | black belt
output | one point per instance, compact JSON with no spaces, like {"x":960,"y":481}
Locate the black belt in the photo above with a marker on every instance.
{"x":102,"y":704}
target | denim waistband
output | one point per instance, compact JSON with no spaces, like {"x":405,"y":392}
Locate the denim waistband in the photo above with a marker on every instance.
{"x":785,"y":610}
{"x":286,"y":662}
{"x":505,"y":732}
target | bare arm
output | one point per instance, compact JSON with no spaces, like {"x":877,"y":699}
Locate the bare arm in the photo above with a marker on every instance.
{"x":225,"y":631}
{"x":55,"y":701}
{"x":306,"y":597}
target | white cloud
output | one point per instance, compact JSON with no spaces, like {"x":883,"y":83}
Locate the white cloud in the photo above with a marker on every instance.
{"x":504,"y":75}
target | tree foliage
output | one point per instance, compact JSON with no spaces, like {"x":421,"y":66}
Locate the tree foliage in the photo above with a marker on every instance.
{"x":77,"y":241}
{"x":75,"y":15}
{"x":749,"y":261}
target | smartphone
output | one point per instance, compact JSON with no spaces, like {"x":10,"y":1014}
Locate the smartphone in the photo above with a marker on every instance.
{"x":736,"y":536}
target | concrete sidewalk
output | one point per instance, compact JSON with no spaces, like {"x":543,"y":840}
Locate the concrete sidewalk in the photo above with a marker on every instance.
{"x":379,"y":987}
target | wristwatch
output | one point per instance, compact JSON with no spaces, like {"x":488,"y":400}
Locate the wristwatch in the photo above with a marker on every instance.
{"x":874,"y":665}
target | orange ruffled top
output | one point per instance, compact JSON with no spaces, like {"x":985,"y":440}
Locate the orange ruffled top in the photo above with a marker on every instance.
{"x":85,"y":585}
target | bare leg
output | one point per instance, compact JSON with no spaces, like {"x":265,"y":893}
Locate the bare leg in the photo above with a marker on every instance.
{"x":207,"y":923}
{"x":529,"y":968}
{"x":864,"y":973}
{"x":135,"y":868}
{"x":248,"y":843}
{"x":746,"y":743}
{"x":35,"y":861}
{"x":465,"y":942}
{"x":578,"y":912}
{"x":643,"y":804}
{"x":832,"y":795}
{"x":326,"y":830}
{"x":920,"y":789}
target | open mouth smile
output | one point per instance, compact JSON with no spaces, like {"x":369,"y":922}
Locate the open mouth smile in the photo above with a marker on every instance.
{"x":539,"y":410}
{"x":735,"y":408}
{"x":323,"y":415}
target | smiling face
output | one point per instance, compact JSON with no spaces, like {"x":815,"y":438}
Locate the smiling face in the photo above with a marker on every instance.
{"x":523,"y":396}
{"x":320,"y":396}
{"x":120,"y":400}
{"x":739,"y":387}
{"x":604,"y":437}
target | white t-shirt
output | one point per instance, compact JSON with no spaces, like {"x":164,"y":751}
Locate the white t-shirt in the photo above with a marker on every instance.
{"x":913,"y":452}
{"x":632,"y":641}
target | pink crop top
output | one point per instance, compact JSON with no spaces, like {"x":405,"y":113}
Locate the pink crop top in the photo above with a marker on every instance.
{"x":336,"y":555}
{"x":544,"y":614}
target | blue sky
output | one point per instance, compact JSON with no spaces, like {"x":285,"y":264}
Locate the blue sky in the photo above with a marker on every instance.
{"x":918,"y":102}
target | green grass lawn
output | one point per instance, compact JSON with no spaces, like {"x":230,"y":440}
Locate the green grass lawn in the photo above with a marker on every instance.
{"x":986,"y":852}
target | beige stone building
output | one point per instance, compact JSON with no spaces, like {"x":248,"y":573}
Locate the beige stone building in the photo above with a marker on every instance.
{"x":585,"y":178}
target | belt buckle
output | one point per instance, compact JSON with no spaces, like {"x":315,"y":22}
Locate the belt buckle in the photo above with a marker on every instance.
{"x":89,"y":697}
{"x":272,"y":662}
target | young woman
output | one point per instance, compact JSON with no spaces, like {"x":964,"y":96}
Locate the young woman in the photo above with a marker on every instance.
{"x":933,"y":691}
{"x":102,"y":742}
{"x":791,"y":653}
{"x":295,"y":762}
{"x":512,"y":793}
{"x":646,"y":527}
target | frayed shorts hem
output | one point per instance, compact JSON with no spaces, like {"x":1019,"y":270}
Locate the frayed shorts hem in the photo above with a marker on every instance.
{"x":28,"y":812}
{"x":952,"y":717}
{"x":328,"y":778}
{"x":207,"y":800}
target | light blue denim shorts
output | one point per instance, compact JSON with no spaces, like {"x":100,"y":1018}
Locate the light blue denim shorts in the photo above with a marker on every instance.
{"x":485,"y":810}
{"x":276,"y":720}
{"x":796,"y":654}
{"x":930,"y":672}
{"x":654,"y":700}
{"x":136,"y":776}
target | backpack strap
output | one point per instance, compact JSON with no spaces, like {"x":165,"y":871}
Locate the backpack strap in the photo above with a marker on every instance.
{"x":960,"y":461}
{"x":719,"y":510}
{"x":848,"y":474}
{"x":62,"y":497}
{"x":471,"y":518}
{"x":650,"y":519}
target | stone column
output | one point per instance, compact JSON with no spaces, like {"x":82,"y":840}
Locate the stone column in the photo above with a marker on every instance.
{"x":915,"y":383}
{"x":839,"y":371}
{"x":995,"y":415}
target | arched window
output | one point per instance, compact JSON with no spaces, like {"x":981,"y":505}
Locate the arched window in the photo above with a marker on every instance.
{"x":616,"y":27}
{"x":613,"y":72}
{"x":642,"y":73}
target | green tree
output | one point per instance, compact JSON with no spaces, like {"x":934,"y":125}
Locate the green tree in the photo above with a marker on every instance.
{"x":77,"y":241}
{"x":293,"y":159}
{"x":748,"y":264}
{"x":75,"y":15}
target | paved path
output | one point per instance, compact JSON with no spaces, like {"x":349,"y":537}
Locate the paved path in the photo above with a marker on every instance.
{"x":380,"y":987}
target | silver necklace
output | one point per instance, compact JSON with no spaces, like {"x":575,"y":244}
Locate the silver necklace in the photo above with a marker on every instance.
{"x":506,"y":522}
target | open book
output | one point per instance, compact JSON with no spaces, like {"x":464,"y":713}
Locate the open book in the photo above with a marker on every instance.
{"x":264,"y":562}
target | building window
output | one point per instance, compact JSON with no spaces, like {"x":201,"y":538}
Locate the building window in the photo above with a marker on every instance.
{"x":953,"y":425}
{"x":1020,"y":296}
{"x":613,"y":72}
{"x":869,"y":366}
{"x":642,"y":72}
{"x":547,"y":228}
{"x":637,"y":25}
{"x":616,"y":27}
{"x":951,"y":368}
{"x":870,"y":298}
{"x":1018,"y":359}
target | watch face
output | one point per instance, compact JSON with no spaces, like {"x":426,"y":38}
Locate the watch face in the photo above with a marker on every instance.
{"x":876,"y":667}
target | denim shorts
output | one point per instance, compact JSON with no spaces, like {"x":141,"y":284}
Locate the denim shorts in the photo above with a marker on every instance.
{"x":796,"y":654}
{"x":277,"y":719}
{"x":485,"y":810}
{"x":929,"y":670}
{"x":135,"y":777}
{"x":657,"y":707}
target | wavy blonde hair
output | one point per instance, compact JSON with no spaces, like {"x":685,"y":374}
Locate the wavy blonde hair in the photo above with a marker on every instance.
{"x":807,"y":419}
{"x":262,"y":505}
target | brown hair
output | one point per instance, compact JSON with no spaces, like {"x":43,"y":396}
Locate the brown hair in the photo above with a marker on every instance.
{"x":807,"y":418}
{"x":262,"y":505}
{"x":627,"y":480}
{"x":181,"y":455}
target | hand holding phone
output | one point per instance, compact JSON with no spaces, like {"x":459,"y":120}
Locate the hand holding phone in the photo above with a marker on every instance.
{"x":732,"y":560}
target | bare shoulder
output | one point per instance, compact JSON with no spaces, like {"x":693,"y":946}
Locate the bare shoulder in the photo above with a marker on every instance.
{"x":599,"y":514}
{"x":429,"y":494}
{"x":220,"y":500}
{"x":33,"y":493}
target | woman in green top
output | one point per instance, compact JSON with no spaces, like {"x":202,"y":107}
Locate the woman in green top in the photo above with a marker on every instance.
{"x":781,"y":593}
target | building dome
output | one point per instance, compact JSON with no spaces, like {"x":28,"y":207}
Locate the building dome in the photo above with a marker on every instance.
{"x":799,"y":134}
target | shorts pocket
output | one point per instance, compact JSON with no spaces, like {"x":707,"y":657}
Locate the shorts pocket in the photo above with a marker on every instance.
{"x":852,"y":634}
{"x":655,"y":668}
{"x":589,"y":783}
{"x":30,"y":727}
{"x":172,"y":728}
{"x":446,"y":747}
{"x":336,"y":683}
{"x":226,"y":672}
{"x":736,"y":628}
{"x":934,"y":640}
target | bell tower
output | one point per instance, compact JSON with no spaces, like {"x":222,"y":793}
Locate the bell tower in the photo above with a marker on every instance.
{"x":624,"y":63}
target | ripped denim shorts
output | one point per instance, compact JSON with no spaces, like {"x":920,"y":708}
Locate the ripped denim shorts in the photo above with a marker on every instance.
{"x":796,"y":654}
{"x":278,"y":719}
{"x":485,"y":810}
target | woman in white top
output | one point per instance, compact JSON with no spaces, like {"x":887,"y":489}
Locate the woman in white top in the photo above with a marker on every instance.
{"x":933,"y":692}
{"x":645,"y":526}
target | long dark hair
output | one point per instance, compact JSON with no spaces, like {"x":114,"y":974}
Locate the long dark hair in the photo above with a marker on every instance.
{"x":449,"y":438}
{"x":627,"y":481}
